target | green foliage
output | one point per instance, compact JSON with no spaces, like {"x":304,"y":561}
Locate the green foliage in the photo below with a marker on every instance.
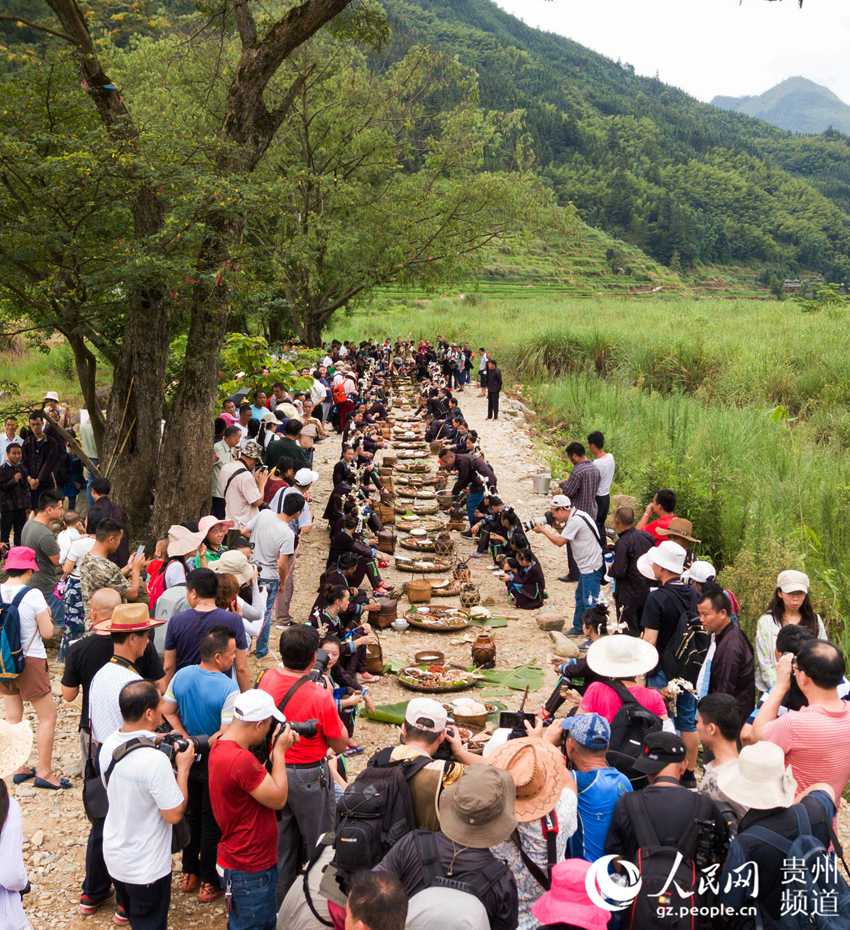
{"x":245,"y":362}
{"x":826,"y":297}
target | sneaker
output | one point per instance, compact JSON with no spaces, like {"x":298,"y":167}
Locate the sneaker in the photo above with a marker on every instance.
{"x":88,"y":904}
{"x":120,"y":918}
{"x":479,"y":555}
{"x":689,"y":780}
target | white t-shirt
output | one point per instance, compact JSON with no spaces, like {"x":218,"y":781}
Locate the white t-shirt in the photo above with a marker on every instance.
{"x":482,"y":362}
{"x":136,"y":840}
{"x":276,"y":505}
{"x":605,"y":466}
{"x":103,"y":700}
{"x":583,"y":541}
{"x":272,"y":538}
{"x":66,"y":539}
{"x":243,"y":496}
{"x":32,"y":604}
{"x":79,"y":547}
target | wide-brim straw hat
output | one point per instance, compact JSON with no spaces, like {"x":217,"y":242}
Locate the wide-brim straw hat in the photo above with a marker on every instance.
{"x":205,"y":524}
{"x":234,"y":562}
{"x":679,"y":528}
{"x":478,"y":809}
{"x":15,"y":746}
{"x":130,"y":618}
{"x":538,"y":772}
{"x":759,"y":778}
{"x":182,"y":541}
{"x":621,"y":656}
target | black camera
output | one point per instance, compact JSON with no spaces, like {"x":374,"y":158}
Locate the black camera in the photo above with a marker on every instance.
{"x":172,"y":743}
{"x":320,"y":666}
{"x":515,"y":722}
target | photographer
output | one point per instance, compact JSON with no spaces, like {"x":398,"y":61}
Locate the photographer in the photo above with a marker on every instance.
{"x":309,"y":811}
{"x":192,"y":705}
{"x":145,"y":801}
{"x":244,"y":799}
{"x":581,"y":533}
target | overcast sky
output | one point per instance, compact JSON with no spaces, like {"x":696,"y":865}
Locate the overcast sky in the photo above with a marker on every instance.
{"x":708,"y":47}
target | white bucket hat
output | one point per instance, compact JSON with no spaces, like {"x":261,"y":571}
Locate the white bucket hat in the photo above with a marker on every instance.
{"x":621,"y":656}
{"x":700,"y":572}
{"x":790,"y":581}
{"x":668,"y":555}
{"x":15,"y":746}
{"x":759,"y":778}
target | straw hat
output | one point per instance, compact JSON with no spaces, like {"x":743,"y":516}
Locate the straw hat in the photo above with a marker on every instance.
{"x":182,"y":541}
{"x":205,"y":524}
{"x":759,"y":778}
{"x":538,"y":772}
{"x":567,"y":901}
{"x":478,"y":809}
{"x":679,"y":528}
{"x":621,"y":656}
{"x":234,"y":562}
{"x":130,"y":618}
{"x":15,"y":746}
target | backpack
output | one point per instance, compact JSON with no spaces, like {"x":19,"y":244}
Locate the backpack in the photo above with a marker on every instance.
{"x":476,"y":883}
{"x":629,"y":728}
{"x":823,"y":881}
{"x":687,"y":648}
{"x":11,"y":648}
{"x":655,"y":863}
{"x":374,"y":812}
{"x":156,"y":586}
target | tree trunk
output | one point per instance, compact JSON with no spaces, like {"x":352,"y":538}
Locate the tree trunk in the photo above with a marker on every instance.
{"x":86,"y":365}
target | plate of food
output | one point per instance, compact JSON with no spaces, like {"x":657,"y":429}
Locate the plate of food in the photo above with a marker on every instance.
{"x":421,"y":566}
{"x":413,"y":468}
{"x":445,"y":587}
{"x":437,"y":619}
{"x":416,"y":544}
{"x":435,"y":679}
{"x":410,"y":522}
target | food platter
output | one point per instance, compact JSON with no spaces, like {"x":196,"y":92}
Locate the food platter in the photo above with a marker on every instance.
{"x":437,"y":619}
{"x":445,"y":587}
{"x":417,"y":544}
{"x":418,"y":507}
{"x":412,"y":522}
{"x":420,"y":494}
{"x":413,"y":468}
{"x":422,"y":566}
{"x":435,"y":679}
{"x":412,"y":453}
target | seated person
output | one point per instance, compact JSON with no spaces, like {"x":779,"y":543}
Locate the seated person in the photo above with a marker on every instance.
{"x":526,"y":583}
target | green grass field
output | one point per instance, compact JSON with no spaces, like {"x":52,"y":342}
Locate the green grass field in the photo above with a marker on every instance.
{"x":741,"y":406}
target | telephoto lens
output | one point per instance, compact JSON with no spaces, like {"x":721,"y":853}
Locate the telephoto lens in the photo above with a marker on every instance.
{"x":306,"y":728}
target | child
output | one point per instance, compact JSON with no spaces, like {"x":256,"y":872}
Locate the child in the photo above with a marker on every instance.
{"x":526,"y":584}
{"x":71,"y":533}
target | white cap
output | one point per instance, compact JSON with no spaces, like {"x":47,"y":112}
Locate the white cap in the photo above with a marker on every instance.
{"x":426,"y":714}
{"x":700,"y":571}
{"x":304,"y":477}
{"x":667,"y":555}
{"x":51,"y":395}
{"x":791,"y":581}
{"x":254,"y":706}
{"x":561,"y":500}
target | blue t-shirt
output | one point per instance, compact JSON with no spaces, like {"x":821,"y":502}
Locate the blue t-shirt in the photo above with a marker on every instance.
{"x":598,"y":793}
{"x":199,"y":696}
{"x":186,"y":629}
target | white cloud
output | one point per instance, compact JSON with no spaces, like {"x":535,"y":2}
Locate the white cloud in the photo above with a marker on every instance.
{"x":708,"y":47}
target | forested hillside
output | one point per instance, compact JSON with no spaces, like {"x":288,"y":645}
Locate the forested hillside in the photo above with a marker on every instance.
{"x":643,"y":160}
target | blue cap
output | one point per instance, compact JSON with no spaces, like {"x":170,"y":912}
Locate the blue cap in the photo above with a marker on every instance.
{"x":589,"y":730}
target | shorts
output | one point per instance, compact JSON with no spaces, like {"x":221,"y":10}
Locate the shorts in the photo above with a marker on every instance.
{"x":33,"y":682}
{"x":482,"y":379}
{"x":685,"y":718}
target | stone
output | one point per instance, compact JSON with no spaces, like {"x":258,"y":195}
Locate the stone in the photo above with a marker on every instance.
{"x":550,"y":620}
{"x":563,"y":646}
{"x":488,"y":601}
{"x":37,"y":839}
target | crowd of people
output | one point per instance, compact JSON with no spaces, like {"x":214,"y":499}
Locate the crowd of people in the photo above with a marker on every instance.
{"x":693,"y":765}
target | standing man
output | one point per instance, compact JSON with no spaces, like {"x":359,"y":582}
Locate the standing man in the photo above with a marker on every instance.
{"x":474,"y":474}
{"x":581,"y":534}
{"x":42,"y":457}
{"x":104,"y":508}
{"x":245,"y":797}
{"x":302,"y":481}
{"x":482,"y":371}
{"x":581,"y":488}
{"x":225,"y":451}
{"x":38,"y":536}
{"x":98,"y":570}
{"x":493,"y":382}
{"x":243,"y":484}
{"x":631,"y":589}
{"x":604,"y":463}
{"x":14,"y":495}
{"x":288,"y":447}
{"x":145,"y":801}
{"x":10,"y":435}
{"x":309,"y":810}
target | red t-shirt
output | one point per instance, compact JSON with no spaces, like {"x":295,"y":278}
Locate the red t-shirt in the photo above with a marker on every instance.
{"x":661,"y":523}
{"x":248,"y":830}
{"x":600,"y":699}
{"x":310,"y":701}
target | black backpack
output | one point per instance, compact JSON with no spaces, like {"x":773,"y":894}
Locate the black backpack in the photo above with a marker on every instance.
{"x":655,"y":863}
{"x":687,"y":648}
{"x":628,"y":731}
{"x":375,"y":812}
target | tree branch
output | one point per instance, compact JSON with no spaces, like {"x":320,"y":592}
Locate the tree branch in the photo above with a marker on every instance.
{"x":245,"y":23}
{"x":20,"y":21}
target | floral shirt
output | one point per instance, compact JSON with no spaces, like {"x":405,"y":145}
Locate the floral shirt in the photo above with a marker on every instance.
{"x":96,"y":573}
{"x":534,"y":846}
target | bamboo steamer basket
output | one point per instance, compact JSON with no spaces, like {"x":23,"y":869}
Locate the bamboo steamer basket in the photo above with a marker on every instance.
{"x":385,"y":616}
{"x":386,"y":514}
{"x":419,"y":591}
{"x":374,"y":659}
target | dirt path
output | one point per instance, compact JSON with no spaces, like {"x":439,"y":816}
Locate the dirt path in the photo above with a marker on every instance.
{"x":55,"y":825}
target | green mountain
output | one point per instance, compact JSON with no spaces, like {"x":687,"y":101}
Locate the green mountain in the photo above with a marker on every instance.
{"x":682,"y":180}
{"x":797,"y":104}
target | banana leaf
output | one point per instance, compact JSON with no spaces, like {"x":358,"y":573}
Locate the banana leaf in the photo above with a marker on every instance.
{"x":491,"y":623}
{"x":393,"y":714}
{"x":517,"y":679}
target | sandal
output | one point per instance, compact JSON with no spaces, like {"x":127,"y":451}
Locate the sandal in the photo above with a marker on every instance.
{"x":61,"y":785}
{"x":209,"y":893}
{"x":189,"y":883}
{"x":20,"y":777}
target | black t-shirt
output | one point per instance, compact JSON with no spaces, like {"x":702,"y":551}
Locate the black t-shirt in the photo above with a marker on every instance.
{"x":664,"y":607}
{"x":88,"y":655}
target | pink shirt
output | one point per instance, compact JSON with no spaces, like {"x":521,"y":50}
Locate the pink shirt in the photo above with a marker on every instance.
{"x":816,"y":742}
{"x":600,"y":699}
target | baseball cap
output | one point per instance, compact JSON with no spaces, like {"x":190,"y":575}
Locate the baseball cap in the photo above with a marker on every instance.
{"x":659,"y":750}
{"x":700,"y":571}
{"x":790,"y":581}
{"x":254,"y":706}
{"x":561,"y":500}
{"x":426,"y":714}
{"x":305,"y":477}
{"x":589,"y":730}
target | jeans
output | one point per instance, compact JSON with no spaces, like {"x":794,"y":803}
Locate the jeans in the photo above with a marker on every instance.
{"x":252,"y":905}
{"x":473,"y":500}
{"x":492,"y":405}
{"x":263,"y":639}
{"x":146,"y":905}
{"x":587,"y":594}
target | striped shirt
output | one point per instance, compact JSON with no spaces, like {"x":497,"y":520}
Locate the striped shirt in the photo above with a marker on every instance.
{"x":816,"y":742}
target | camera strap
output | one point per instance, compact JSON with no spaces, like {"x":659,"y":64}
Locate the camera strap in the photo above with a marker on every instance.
{"x":290,"y":694}
{"x":124,"y":750}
